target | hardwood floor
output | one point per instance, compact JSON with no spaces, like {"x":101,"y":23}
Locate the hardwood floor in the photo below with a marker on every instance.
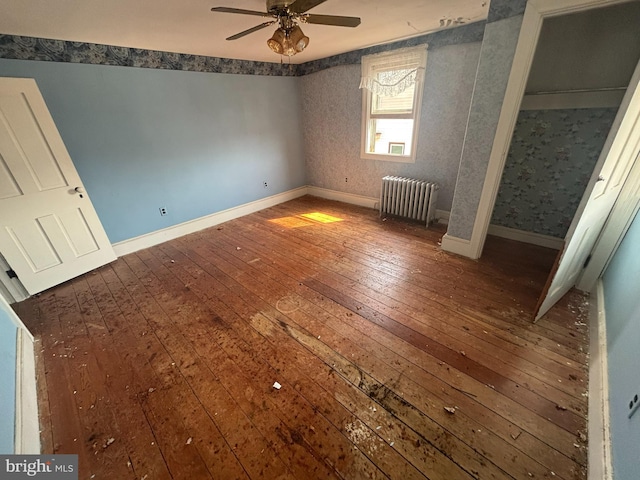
{"x":394,"y":358}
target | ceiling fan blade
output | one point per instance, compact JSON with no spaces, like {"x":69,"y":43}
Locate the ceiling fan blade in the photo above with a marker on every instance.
{"x":240,"y":10}
{"x":251,"y":30}
{"x":301,"y":6}
{"x":334,"y":20}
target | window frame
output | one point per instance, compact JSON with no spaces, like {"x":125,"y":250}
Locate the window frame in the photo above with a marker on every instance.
{"x":387,"y":61}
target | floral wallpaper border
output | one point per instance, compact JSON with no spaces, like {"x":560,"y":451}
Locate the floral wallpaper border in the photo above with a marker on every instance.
{"x":502,"y":9}
{"x":470,"y":33}
{"x":41,"y":49}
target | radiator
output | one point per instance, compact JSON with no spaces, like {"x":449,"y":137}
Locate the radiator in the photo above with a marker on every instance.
{"x":410,"y":198}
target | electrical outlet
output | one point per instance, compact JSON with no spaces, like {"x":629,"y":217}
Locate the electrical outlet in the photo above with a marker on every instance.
{"x":163,"y":211}
{"x":346,"y":179}
{"x":634,"y":403}
{"x":265,"y":185}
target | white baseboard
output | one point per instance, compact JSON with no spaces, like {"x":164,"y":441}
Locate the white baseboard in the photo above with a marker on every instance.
{"x":526,"y":237}
{"x":456,"y":245}
{"x":159,"y":236}
{"x":451,"y":244}
{"x":351,"y":198}
{"x":463,"y":247}
{"x":599,"y":466}
{"x":442,"y":216}
{"x":570,"y":100}
{"x":27,"y":427}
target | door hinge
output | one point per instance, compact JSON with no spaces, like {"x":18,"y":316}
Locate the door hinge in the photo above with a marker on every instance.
{"x":586,"y":262}
{"x":11,"y":273}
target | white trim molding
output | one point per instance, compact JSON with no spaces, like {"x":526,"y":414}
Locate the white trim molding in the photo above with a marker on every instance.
{"x":535,"y":13}
{"x":456,"y":245}
{"x":26,"y":438}
{"x":526,"y":237}
{"x":27,"y":427}
{"x":159,"y":236}
{"x":579,"y":99}
{"x":442,"y":216}
{"x":599,"y":456}
{"x":451,"y":244}
{"x":360,"y":200}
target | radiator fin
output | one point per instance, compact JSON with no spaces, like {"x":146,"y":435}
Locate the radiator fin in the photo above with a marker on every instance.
{"x":409,"y":198}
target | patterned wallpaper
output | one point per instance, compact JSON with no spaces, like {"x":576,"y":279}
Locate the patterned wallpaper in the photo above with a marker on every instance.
{"x":496,"y":56}
{"x":470,"y":33}
{"x":331,"y":123}
{"x":552,"y":156}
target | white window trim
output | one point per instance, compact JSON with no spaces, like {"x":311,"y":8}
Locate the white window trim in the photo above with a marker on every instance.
{"x":388,"y":57}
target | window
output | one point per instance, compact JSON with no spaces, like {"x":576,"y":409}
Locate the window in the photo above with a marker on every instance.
{"x":391,"y":97}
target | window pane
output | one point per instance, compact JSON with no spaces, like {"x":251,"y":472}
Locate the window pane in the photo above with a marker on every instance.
{"x":401,"y":103}
{"x":390,"y":136}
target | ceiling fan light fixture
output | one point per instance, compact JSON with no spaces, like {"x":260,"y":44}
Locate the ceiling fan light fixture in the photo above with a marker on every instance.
{"x":277,"y":41}
{"x":298,"y":39}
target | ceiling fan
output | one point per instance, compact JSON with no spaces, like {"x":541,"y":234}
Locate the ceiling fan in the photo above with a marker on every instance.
{"x":288,"y":39}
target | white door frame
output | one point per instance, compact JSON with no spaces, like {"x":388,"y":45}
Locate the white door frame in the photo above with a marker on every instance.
{"x":535,"y":13}
{"x":10,"y":289}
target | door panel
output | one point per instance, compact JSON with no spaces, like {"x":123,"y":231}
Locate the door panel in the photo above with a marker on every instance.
{"x":8,"y":184}
{"x":49,"y":232}
{"x":29,"y":154}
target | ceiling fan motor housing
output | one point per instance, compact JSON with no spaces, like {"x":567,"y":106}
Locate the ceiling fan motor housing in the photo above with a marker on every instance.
{"x":278,"y":5}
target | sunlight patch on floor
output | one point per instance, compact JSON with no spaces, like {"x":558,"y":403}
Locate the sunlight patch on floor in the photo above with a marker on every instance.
{"x":305,"y":219}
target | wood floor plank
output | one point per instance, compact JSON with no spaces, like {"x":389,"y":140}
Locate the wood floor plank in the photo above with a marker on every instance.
{"x":330,"y":443}
{"x":248,"y":445}
{"x":161,"y":369}
{"x":533,"y":363}
{"x":162,"y":364}
{"x":431,"y":287}
{"x":355,"y":428}
{"x":255,"y":402}
{"x":325,"y":320}
{"x":130,"y":383}
{"x":353,"y":348}
{"x":492,"y":267}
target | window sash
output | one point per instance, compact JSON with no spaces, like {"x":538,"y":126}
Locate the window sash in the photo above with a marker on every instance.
{"x":374,"y":109}
{"x":400,"y":116}
{"x":399,"y":104}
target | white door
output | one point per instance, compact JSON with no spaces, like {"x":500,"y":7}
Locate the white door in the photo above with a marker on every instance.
{"x":621,"y":150}
{"x":49,"y":230}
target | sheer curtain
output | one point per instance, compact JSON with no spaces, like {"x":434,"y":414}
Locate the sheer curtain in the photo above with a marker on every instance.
{"x":389,"y":74}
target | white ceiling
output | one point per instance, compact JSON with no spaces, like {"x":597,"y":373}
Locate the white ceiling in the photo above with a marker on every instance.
{"x":188,"y":26}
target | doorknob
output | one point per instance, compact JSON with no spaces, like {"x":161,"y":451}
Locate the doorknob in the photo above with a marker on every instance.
{"x":600,"y":178}
{"x":79,"y":190}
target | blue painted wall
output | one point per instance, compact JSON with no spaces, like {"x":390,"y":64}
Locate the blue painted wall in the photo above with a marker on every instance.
{"x":622,"y":303}
{"x":8,"y":333}
{"x":194,"y":143}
